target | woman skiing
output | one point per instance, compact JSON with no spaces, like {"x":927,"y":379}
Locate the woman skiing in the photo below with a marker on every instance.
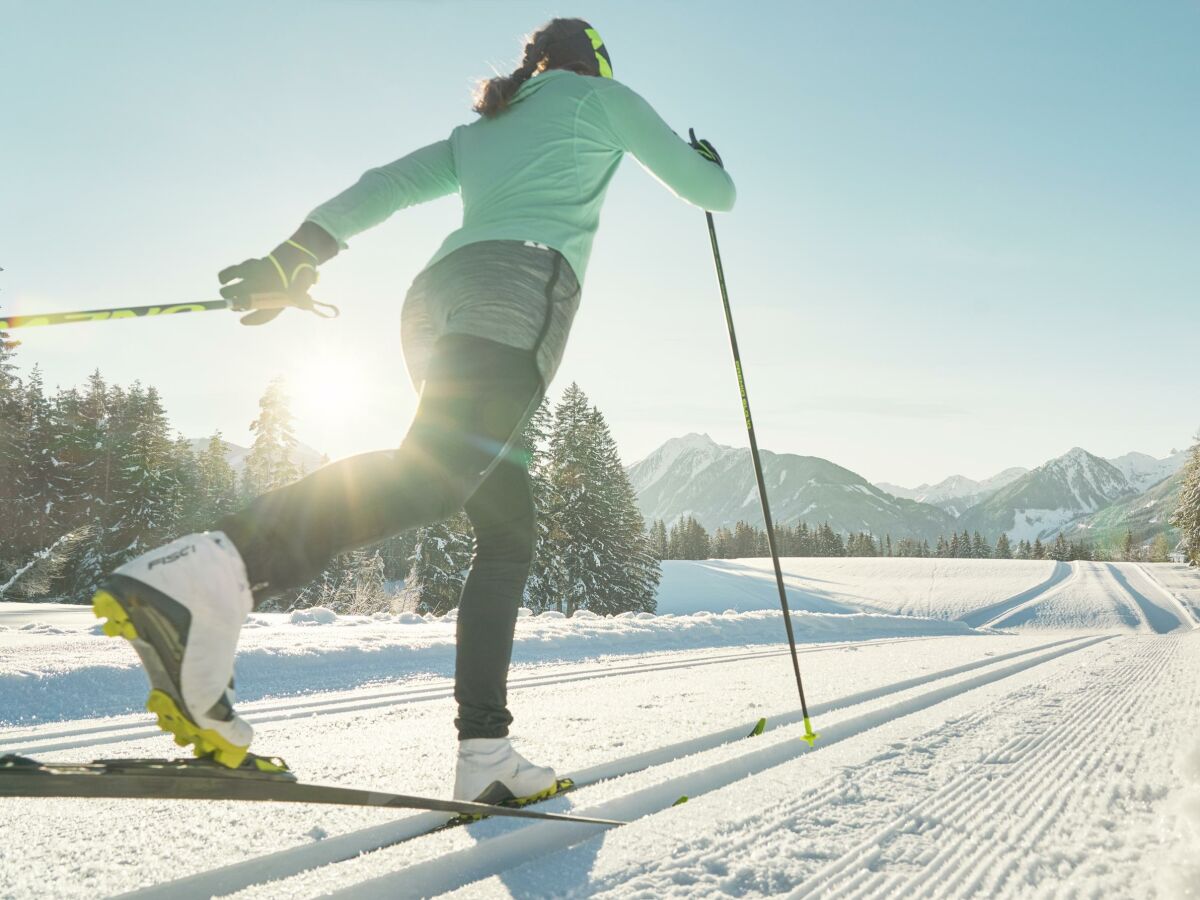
{"x":483,"y":329}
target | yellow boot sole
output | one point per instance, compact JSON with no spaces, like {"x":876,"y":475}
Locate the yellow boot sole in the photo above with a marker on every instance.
{"x":561,"y":784}
{"x":204,"y":741}
{"x":105,"y":606}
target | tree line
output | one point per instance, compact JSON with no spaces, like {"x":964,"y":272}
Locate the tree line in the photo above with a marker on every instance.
{"x":92,"y":476}
{"x":688,"y":539}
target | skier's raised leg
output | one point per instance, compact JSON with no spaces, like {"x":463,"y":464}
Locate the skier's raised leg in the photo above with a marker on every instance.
{"x":182,"y":607}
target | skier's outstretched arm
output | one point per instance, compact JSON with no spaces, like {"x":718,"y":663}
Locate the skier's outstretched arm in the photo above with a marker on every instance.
{"x":638,"y":129}
{"x":291,"y":268}
{"x":422,"y":175}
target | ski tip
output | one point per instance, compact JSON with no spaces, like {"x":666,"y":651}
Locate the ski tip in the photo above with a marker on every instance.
{"x":682,"y":800}
{"x":759,"y":727}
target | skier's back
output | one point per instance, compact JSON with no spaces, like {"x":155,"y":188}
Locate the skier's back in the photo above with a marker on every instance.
{"x":483,"y":328}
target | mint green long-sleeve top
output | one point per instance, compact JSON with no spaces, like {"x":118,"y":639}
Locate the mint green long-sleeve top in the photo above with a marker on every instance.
{"x":536,"y":172}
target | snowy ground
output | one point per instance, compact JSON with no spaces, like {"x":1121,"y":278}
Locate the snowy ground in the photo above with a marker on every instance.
{"x":986,"y":731}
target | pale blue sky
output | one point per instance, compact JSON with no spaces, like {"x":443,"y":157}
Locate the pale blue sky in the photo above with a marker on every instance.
{"x":967,"y":234}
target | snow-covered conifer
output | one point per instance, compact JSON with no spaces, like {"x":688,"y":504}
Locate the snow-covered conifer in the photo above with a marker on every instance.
{"x":270,"y":462}
{"x":602,"y":558}
{"x":1003,"y":548}
{"x":658,"y":538}
{"x":216,"y":483}
{"x":438,"y":565}
{"x":1187,"y":513}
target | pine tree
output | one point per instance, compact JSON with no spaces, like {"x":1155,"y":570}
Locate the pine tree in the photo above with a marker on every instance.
{"x":744,"y":540}
{"x":1160,"y":550}
{"x":1060,"y":551}
{"x":36,"y":485}
{"x":583,"y":512}
{"x":1127,"y":552}
{"x":633,"y":572}
{"x":722,"y":543}
{"x":217,"y":491}
{"x":438,"y":566}
{"x":535,"y":444}
{"x":694,"y":542}
{"x":359,"y":588}
{"x":602,"y":558}
{"x":979,"y":547}
{"x":658,"y":539}
{"x":269,"y":464}
{"x":1187,"y":513}
{"x":10,"y":389}
{"x":90,"y":455}
{"x":1038,"y":551}
{"x":147,"y":500}
{"x":1003,"y":548}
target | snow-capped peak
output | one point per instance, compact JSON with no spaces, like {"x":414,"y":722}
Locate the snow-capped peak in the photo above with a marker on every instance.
{"x":700,"y":447}
{"x":1143,"y":471}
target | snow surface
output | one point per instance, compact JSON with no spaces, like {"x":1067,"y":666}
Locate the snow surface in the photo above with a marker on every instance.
{"x":1058,"y":757}
{"x":934,"y":588}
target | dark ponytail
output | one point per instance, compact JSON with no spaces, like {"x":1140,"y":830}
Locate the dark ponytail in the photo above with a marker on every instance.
{"x":547,"y":48}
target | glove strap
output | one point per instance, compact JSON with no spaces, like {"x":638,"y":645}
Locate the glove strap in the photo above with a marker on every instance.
{"x":288,"y":279}
{"x":281,"y":300}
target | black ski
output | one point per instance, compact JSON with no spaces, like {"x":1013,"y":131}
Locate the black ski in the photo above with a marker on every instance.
{"x":258,"y":779}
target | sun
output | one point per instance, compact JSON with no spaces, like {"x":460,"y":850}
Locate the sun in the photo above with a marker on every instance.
{"x":328,"y":393}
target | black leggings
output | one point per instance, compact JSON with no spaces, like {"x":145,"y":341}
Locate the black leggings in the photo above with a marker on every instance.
{"x":461,"y":452}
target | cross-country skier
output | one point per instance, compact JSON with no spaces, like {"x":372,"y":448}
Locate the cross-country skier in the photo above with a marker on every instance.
{"x":483,"y":330}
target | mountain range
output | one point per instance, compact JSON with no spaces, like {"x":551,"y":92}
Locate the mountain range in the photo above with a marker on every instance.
{"x":695,"y":476}
{"x":305,"y":457}
{"x":1078,"y":493}
{"x":957,"y":493}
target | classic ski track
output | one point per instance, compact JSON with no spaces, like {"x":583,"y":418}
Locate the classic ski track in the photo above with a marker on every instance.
{"x":278,"y":710}
{"x":976,"y":858}
{"x":1033,"y":601}
{"x":1123,"y":595}
{"x":1061,"y":575}
{"x":296,"y":860}
{"x":459,"y":868}
{"x":1186,"y":616}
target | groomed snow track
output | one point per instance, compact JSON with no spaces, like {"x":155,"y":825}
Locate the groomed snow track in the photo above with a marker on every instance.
{"x":983,"y":826}
{"x":1135,"y":601}
{"x":717,"y":760}
{"x":50,"y":738}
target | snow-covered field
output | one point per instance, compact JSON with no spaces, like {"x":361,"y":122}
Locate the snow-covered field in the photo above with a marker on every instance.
{"x":988,"y":729}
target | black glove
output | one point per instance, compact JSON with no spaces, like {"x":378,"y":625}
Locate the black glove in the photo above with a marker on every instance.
{"x":705,"y":149}
{"x":280,"y":279}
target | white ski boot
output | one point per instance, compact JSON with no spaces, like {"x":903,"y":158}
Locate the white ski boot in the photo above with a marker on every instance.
{"x":489,"y":770}
{"x":182,"y":607}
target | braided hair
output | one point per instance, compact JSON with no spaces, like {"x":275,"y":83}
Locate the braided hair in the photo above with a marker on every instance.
{"x":556,"y":45}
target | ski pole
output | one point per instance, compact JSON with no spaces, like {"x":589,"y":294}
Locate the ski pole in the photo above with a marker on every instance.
{"x":809,"y":735}
{"x":257,"y":301}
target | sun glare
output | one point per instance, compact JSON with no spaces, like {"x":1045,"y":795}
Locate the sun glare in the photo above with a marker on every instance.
{"x":328,"y":393}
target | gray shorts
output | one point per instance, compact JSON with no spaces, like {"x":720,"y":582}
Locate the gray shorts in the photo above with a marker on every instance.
{"x":518,"y":293}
